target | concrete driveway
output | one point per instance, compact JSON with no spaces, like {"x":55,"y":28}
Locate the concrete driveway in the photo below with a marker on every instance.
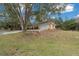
{"x":9,"y":32}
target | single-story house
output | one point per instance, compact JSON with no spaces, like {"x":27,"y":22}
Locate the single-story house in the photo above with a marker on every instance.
{"x":48,"y":25}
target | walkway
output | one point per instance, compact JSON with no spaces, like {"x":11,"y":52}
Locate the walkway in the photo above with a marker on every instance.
{"x":9,"y":32}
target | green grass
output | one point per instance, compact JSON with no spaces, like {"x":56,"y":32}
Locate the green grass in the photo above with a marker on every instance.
{"x":43,"y":44}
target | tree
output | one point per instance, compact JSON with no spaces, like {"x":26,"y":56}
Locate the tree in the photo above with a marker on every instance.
{"x":54,"y":8}
{"x":77,"y":23}
{"x":11,"y":17}
{"x":20,"y":11}
{"x":69,"y":24}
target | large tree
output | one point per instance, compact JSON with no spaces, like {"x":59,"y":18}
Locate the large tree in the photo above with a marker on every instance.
{"x":19,"y":11}
{"x":46,"y":8}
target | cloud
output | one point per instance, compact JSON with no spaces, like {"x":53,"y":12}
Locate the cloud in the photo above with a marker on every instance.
{"x":68,"y":8}
{"x":77,"y":16}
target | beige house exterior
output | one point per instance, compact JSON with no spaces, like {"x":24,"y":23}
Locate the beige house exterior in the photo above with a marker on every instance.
{"x":48,"y":25}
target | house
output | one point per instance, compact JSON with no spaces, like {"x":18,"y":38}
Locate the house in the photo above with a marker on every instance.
{"x":47,"y":25}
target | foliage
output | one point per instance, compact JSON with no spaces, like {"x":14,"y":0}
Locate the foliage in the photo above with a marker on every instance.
{"x":11,"y":20}
{"x":45,"y":8}
{"x":70,"y":24}
{"x":15,"y":12}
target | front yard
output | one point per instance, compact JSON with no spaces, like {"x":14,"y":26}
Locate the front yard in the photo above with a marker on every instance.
{"x":43,"y":44}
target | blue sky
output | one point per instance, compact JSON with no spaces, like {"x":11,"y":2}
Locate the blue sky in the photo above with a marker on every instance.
{"x":72,"y":10}
{"x":1,"y":7}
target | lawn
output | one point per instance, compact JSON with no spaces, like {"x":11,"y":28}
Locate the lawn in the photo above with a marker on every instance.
{"x":46,"y":43}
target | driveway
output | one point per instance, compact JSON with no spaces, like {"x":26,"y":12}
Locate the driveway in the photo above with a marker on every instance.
{"x":9,"y":32}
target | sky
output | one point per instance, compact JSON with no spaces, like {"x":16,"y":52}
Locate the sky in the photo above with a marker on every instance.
{"x":71,"y":11}
{"x":1,"y":8}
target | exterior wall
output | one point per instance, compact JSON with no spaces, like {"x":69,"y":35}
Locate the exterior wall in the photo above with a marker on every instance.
{"x":51,"y":26}
{"x":44,"y":26}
